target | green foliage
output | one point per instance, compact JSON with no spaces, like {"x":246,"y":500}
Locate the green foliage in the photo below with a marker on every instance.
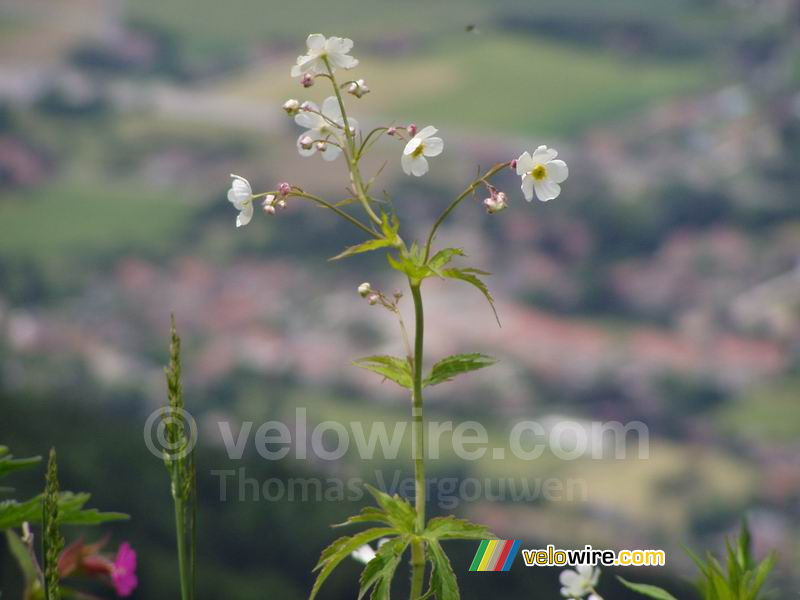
{"x":390,"y":367}
{"x":70,"y":508}
{"x":367,"y":246}
{"x":341,"y":549}
{"x":443,"y":582}
{"x":379,"y":572}
{"x":449,"y":367}
{"x":740,"y":579}
{"x":452,"y":528}
{"x":52,"y":540}
{"x":23,"y":555}
{"x":651,"y":591}
{"x":9,"y":464}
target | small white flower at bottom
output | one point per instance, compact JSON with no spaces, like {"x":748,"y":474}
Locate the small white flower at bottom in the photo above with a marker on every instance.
{"x":365,"y":553}
{"x":580,"y":582}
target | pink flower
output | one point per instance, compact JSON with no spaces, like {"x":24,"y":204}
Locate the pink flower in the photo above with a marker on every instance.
{"x":123,"y":571}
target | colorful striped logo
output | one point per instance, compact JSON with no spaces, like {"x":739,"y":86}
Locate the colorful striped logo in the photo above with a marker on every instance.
{"x":495,"y":555}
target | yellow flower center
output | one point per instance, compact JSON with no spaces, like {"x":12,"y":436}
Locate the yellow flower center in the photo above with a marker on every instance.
{"x":539,"y":172}
{"x":418,"y":151}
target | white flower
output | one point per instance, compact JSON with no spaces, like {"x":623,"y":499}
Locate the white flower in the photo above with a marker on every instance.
{"x":365,"y":553}
{"x":364,"y":289}
{"x":542,"y":173}
{"x":417,"y":148}
{"x":578,"y":583}
{"x":358,"y":88}
{"x":334,"y":49}
{"x":241,"y":196}
{"x":321,"y":127}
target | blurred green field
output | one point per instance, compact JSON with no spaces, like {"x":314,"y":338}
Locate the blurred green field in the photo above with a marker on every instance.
{"x":511,"y":84}
{"x":101,"y":219}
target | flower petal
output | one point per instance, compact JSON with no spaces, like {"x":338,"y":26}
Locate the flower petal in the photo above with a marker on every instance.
{"x":419,"y":166}
{"x":546,"y":189}
{"x":331,"y":152}
{"x":405,"y":162}
{"x":557,"y":170}
{"x":433,"y":146}
{"x":524,"y":163}
{"x":527,"y":187}
{"x":330,"y":108}
{"x":316,"y":42}
{"x":427,"y":132}
{"x":542,"y":155}
{"x":412,"y":145}
{"x":343,"y":61}
{"x":245,"y":215}
{"x":338,"y":45}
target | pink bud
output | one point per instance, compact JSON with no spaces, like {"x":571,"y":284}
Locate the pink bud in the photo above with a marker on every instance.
{"x":321,"y":146}
{"x":391,"y":131}
{"x":306,"y":142}
{"x":284,"y":188}
{"x":514,"y":165}
{"x":281,"y":204}
{"x":307,"y":80}
{"x":305,"y":105}
{"x":373,"y":299}
{"x":412,"y":129}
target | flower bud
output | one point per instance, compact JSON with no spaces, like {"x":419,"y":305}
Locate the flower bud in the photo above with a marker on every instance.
{"x":373,"y":299}
{"x":412,"y":129}
{"x":305,"y":106}
{"x":284,"y":188}
{"x":307,"y":80}
{"x":513,"y":165}
{"x":321,"y":145}
{"x":306,"y":143}
{"x":398,"y":294}
{"x":495,"y":203}
{"x":280,"y":204}
{"x":391,"y":130}
{"x":292,"y":107}
{"x":364,"y":289}
{"x":269,"y":205}
{"x":358,"y":88}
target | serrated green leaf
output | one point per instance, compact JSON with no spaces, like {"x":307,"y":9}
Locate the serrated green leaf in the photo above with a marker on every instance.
{"x":368,"y":514}
{"x":379,"y":572}
{"x":409,"y":267}
{"x":341,"y":549}
{"x":390,"y":225}
{"x":442,"y":258}
{"x":443,"y":580}
{"x":452,"y":528}
{"x":449,"y":367}
{"x":399,"y":512}
{"x":471,"y":276}
{"x":391,"y":367}
{"x":650,"y":591}
{"x":9,"y":464}
{"x":367,"y":246}
{"x":70,"y":510}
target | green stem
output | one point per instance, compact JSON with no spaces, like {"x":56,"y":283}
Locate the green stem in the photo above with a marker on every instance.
{"x":352,"y":157}
{"x":471,"y":188}
{"x":418,"y":424}
{"x":180,"y":533}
